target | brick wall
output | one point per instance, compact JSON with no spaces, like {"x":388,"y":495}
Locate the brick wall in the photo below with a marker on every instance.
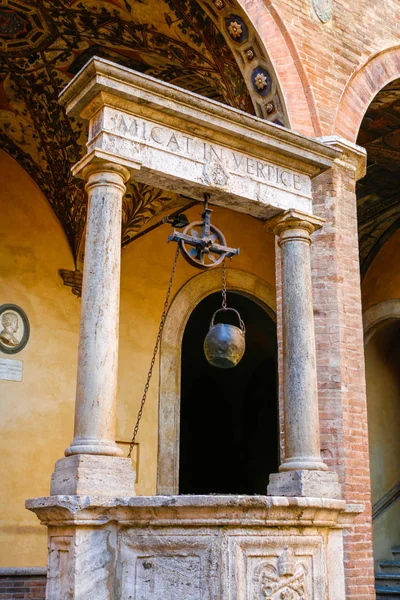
{"x":331,"y":53}
{"x":327,"y":55}
{"x":340,"y":365}
{"x":23,"y":584}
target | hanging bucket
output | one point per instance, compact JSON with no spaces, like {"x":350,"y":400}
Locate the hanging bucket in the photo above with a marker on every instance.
{"x":225,"y":344}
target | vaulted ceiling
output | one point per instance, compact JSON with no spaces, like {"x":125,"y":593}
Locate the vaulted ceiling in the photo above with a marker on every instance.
{"x":379,"y":191}
{"x":205,"y":46}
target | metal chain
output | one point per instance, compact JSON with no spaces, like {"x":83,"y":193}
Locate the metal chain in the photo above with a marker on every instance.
{"x":224,"y":305}
{"x":155,"y":351}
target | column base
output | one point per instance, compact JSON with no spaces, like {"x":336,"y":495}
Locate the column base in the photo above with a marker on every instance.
{"x":93,"y":446}
{"x":85,"y":474}
{"x":302,"y":483}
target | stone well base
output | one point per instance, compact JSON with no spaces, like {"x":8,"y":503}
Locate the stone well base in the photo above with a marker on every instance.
{"x":194,"y":547}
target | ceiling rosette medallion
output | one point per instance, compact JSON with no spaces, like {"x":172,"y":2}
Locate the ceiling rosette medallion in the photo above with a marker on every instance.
{"x":236,"y":28}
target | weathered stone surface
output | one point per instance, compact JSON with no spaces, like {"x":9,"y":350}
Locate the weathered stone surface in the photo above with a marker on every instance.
{"x":304,"y":483}
{"x":193,"y":547}
{"x":96,"y":390}
{"x":179,"y":141}
{"x":300,"y":392}
{"x":83,"y":474}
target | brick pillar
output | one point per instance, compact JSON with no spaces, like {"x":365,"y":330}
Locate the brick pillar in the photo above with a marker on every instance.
{"x":340,"y":355}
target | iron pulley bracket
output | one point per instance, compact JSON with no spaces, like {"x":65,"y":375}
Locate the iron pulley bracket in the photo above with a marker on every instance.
{"x":202,"y":244}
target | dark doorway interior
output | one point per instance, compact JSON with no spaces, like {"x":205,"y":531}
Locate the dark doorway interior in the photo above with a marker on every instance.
{"x":229,"y":418}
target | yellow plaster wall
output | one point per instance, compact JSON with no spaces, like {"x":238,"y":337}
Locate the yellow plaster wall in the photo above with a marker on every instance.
{"x":382,"y":359}
{"x":382,"y":280}
{"x":36,"y":421}
{"x":36,"y":414}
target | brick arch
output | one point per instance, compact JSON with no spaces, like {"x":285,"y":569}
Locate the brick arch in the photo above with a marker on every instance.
{"x":365,"y":83}
{"x":293,"y":79}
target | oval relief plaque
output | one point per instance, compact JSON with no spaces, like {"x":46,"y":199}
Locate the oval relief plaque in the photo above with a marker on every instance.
{"x":14,"y":329}
{"x":323,"y":9}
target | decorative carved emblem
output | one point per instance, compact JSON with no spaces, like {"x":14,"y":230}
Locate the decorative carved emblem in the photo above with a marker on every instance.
{"x":323,"y":9}
{"x":282,"y":579}
{"x":261,"y":81}
{"x":219,"y":4}
{"x":235,"y":29}
{"x":215,"y":174}
{"x":14,"y":329}
{"x":249,"y":54}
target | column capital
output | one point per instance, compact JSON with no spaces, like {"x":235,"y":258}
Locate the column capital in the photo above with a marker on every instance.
{"x":98,"y":161}
{"x":291,"y":220}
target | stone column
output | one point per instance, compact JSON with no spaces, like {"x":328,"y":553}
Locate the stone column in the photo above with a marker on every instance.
{"x":93,"y":464}
{"x":302,"y":472}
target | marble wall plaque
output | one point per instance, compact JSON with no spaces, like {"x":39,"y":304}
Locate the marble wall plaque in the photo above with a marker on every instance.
{"x":10,"y":370}
{"x":14,"y":329}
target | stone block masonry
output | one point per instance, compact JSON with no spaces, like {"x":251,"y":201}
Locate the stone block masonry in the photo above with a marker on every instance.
{"x":23,"y":584}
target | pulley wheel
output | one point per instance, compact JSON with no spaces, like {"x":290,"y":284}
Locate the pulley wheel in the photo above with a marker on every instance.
{"x":201,"y":257}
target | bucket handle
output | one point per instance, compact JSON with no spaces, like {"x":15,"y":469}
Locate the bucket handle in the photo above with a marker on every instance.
{"x":242,"y":326}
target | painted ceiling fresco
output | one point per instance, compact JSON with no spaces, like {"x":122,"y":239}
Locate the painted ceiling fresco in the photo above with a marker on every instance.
{"x":205,"y":46}
{"x":379,"y":191}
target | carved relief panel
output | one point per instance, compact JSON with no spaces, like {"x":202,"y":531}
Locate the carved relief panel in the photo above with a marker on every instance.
{"x":167,"y":567}
{"x":172,"y":577}
{"x":59,"y":580}
{"x":228,"y":566}
{"x":278,"y":568}
{"x":284,"y":578}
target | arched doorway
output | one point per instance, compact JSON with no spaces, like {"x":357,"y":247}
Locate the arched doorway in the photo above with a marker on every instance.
{"x":185,"y":302}
{"x":378,"y":224}
{"x":229,"y":417}
{"x":377,"y":192}
{"x":382,"y":360}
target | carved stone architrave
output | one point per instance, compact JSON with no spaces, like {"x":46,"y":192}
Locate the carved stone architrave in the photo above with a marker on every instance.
{"x":164,"y":136}
{"x":323,"y":9}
